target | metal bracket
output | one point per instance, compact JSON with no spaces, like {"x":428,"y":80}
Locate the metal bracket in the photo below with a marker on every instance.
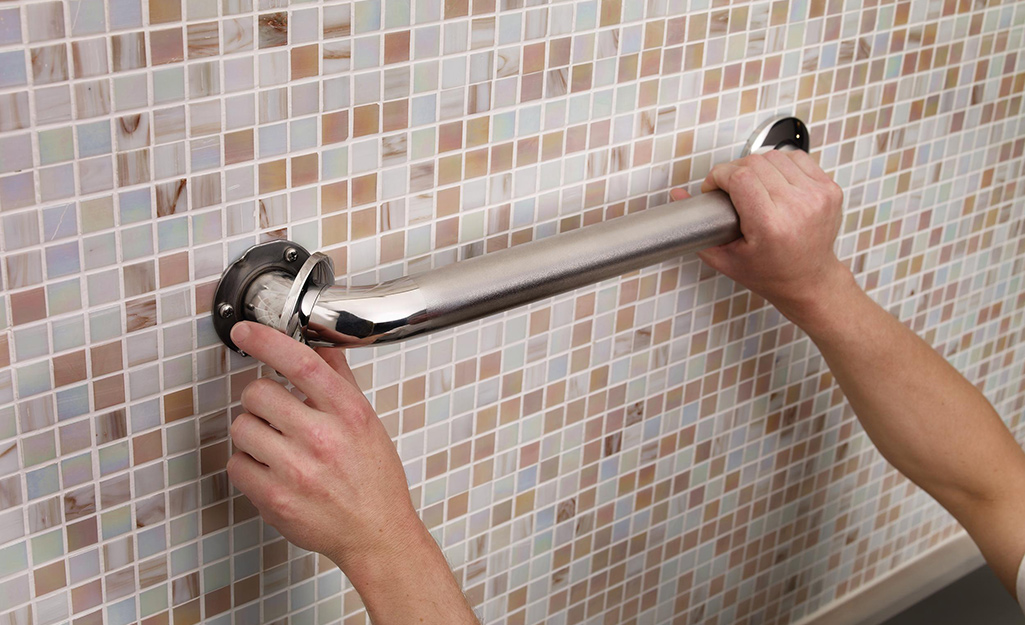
{"x":778,"y":133}
{"x":229,"y":307}
{"x":318,"y":270}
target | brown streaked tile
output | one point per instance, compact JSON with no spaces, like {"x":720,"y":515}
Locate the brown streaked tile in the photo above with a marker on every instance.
{"x":396,"y":115}
{"x":69,"y":368}
{"x":396,"y":47}
{"x":366,"y":120}
{"x":166,"y":46}
{"x":108,"y":392}
{"x":178,"y":405}
{"x":161,"y":11}
{"x":364,"y":189}
{"x":273,"y":29}
{"x":273,"y":176}
{"x":174,"y":269}
{"x":305,"y":170}
{"x":28,"y":306}
{"x":147,"y":447}
{"x":305,"y":61}
{"x":50,"y":578}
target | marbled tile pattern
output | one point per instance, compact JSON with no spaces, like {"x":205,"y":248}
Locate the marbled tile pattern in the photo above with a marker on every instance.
{"x":658,"y":448}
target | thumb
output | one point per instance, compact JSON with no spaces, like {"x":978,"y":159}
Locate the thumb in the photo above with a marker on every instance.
{"x":678,"y":194}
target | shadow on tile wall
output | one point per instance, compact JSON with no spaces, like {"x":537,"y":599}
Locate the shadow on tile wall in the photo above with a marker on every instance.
{"x":658,"y":448}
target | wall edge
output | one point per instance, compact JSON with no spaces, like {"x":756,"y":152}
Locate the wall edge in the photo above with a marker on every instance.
{"x":903,"y":587}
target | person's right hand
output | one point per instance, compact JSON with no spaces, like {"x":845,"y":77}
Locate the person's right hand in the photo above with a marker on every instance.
{"x":790,"y":214}
{"x":323,"y":472}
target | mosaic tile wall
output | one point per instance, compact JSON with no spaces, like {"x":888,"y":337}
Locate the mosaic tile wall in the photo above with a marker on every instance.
{"x":660,"y":448}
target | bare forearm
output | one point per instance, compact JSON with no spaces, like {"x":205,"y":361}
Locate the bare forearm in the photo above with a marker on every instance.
{"x":415,"y":585}
{"x":925,"y":418}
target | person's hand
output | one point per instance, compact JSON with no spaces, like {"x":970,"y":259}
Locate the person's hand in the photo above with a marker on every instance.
{"x":790,"y":213}
{"x":323,"y":472}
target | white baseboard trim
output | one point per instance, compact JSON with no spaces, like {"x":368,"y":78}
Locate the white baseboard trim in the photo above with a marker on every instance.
{"x":903,"y":587}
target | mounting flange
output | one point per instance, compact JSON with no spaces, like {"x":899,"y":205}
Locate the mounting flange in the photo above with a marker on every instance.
{"x":778,"y":133}
{"x":229,"y":306}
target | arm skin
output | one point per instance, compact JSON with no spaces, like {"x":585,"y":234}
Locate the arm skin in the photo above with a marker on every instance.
{"x":325,"y":474}
{"x":924,"y":417}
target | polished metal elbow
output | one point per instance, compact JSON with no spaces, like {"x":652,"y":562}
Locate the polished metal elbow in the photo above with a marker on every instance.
{"x":281,"y":285}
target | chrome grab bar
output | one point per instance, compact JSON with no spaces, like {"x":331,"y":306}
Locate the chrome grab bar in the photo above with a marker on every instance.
{"x":282,"y":285}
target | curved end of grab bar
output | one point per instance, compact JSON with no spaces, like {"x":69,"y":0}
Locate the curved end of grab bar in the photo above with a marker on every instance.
{"x":282,"y":285}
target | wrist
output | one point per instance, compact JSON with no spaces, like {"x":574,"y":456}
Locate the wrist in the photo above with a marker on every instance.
{"x":388,"y":555}
{"x":818,"y":304}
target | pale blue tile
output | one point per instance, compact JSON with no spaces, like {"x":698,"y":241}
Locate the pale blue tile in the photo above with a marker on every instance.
{"x":206,"y":153}
{"x":99,"y":250}
{"x":135,"y":205}
{"x":12,"y":68}
{"x":68,"y":333}
{"x":42,"y":482}
{"x":62,"y":260}
{"x":273,"y":140}
{"x":154,"y":600}
{"x":152,"y":541}
{"x":72,"y":402}
{"x":56,"y":145}
{"x":64,"y":297}
{"x":31,"y":342}
{"x":15,"y":151}
{"x":48,"y":546}
{"x":77,"y":470}
{"x":83,"y":566}
{"x":88,"y":17}
{"x":216,"y":547}
{"x":168,"y":85}
{"x":121,"y":613}
{"x":125,"y":14}
{"x":33,"y":379}
{"x":13,"y":559}
{"x":137,"y":242}
{"x":10,"y":26}
{"x":114,"y":458}
{"x":116,"y":522}
{"x":186,"y":558}
{"x":60,"y":222}
{"x":8,"y":423}
{"x":104,"y":287}
{"x":94,"y":139}
{"x":57,"y":183}
{"x":172,"y":233}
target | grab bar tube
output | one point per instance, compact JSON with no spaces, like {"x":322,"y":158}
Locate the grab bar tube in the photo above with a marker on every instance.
{"x":282,"y":285}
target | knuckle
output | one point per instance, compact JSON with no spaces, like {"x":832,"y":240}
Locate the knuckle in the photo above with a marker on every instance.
{"x":836,"y":192}
{"x":279,"y":502}
{"x":308,"y":364}
{"x":743,"y":175}
{"x":321,"y":441}
{"x":239,"y":427}
{"x":825,"y":198}
{"x":363,"y":416}
{"x":255,"y":391}
{"x":296,"y":476}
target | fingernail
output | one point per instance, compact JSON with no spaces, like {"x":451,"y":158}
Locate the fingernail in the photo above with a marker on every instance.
{"x":239,"y":332}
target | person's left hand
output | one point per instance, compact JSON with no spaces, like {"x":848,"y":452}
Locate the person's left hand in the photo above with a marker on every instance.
{"x":324,"y":472}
